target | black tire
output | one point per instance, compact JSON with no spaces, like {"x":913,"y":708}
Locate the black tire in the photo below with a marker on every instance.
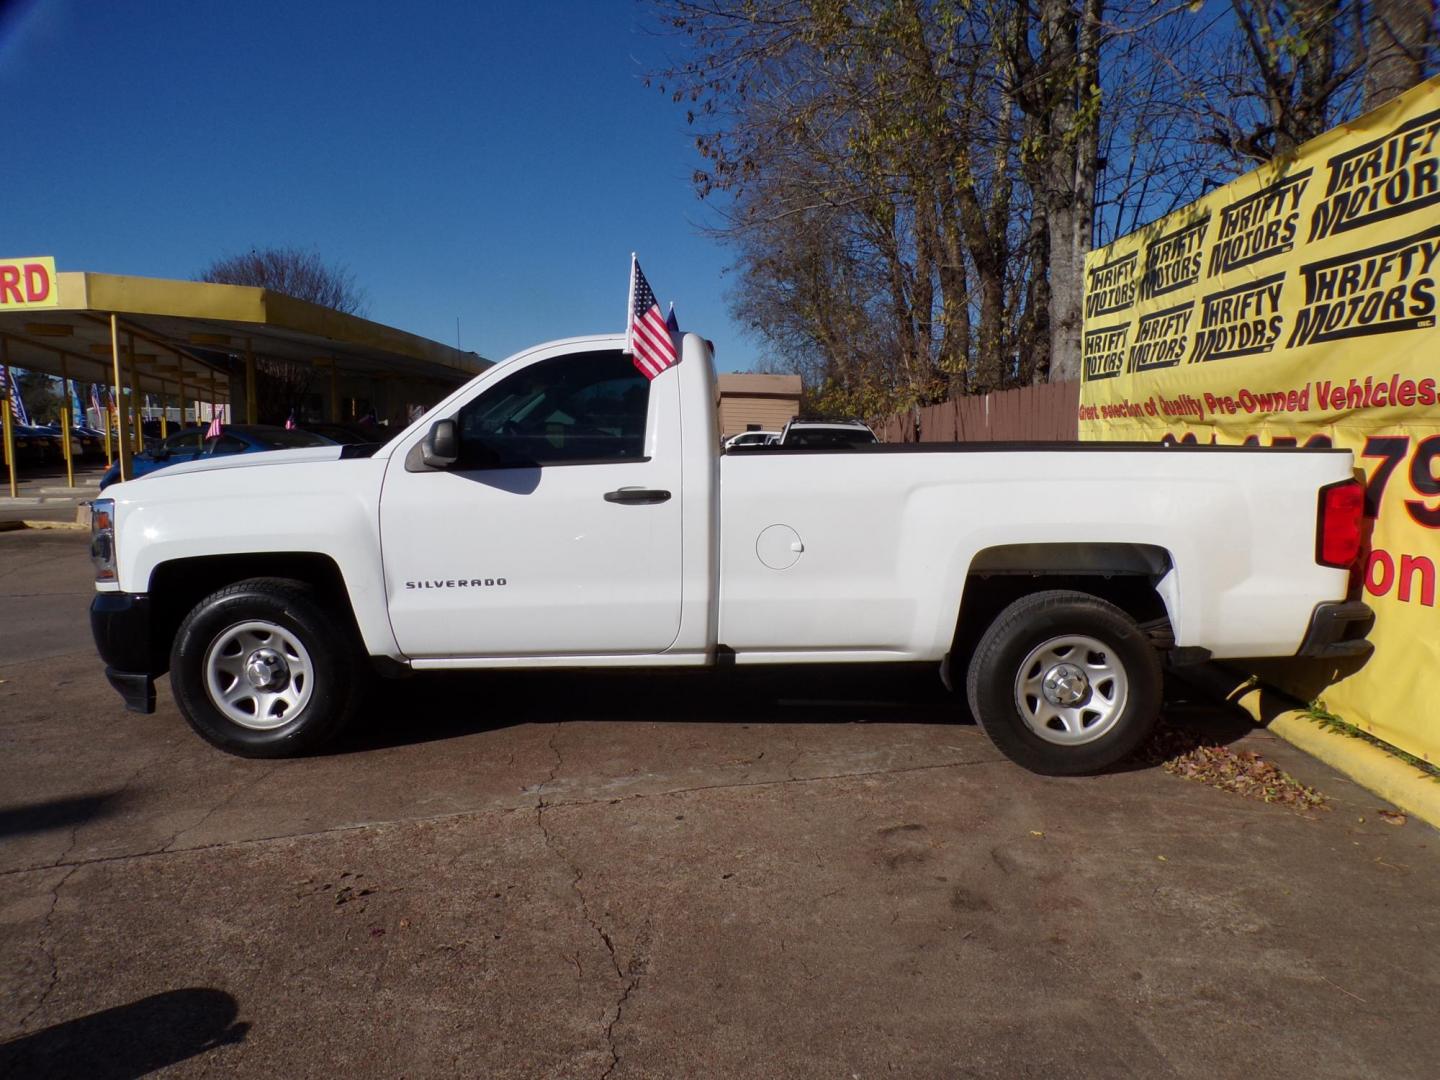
{"x":1126,"y":668}
{"x":333,"y":668}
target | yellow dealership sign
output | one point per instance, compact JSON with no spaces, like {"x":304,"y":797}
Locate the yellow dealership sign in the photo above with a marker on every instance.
{"x":28,"y":283}
{"x":1297,"y":306}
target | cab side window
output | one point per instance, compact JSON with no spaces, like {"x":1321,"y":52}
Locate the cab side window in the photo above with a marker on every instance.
{"x":585,"y":408}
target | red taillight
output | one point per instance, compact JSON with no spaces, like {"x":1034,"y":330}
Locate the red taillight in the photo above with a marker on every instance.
{"x":1337,"y":535}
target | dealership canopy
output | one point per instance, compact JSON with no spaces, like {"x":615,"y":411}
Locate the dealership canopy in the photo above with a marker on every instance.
{"x":170,"y":334}
{"x":191,"y":341}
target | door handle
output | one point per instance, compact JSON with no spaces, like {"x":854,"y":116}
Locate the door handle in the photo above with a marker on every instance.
{"x":637,"y":495}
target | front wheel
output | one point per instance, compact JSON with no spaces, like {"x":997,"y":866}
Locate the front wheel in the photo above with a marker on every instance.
{"x":1064,"y":683}
{"x":261,"y":670}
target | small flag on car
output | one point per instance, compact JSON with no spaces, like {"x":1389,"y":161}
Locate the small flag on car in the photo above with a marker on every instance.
{"x":647,"y":338}
{"x":290,"y":421}
{"x":213,"y":431}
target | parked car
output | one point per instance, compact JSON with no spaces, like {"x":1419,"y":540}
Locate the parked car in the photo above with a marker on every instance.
{"x":827,"y":434}
{"x":234,"y":439}
{"x":83,"y":442}
{"x":92,"y":442}
{"x":564,"y":510}
{"x":347,"y":434}
{"x":36,"y":446}
{"x":752,"y":438}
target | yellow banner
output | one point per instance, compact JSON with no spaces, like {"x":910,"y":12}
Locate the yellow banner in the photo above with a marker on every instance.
{"x":28,"y":283}
{"x":1297,"y":306}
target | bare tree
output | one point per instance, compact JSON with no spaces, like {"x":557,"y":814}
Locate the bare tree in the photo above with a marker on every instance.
{"x":1401,"y":39}
{"x":864,"y":156}
{"x":1057,"y":86}
{"x":282,"y":385}
{"x":912,"y":186}
{"x":293,"y":271}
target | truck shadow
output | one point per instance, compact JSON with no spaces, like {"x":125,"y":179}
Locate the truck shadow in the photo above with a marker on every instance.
{"x":54,"y":814}
{"x":129,"y":1040}
{"x":449,"y":705}
{"x":443,"y":705}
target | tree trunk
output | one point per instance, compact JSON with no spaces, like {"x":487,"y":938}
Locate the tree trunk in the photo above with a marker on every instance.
{"x":1399,"y":34}
{"x":1071,"y":35}
{"x":990,"y":363}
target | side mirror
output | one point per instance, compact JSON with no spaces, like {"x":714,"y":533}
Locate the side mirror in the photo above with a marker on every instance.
{"x":441,"y":447}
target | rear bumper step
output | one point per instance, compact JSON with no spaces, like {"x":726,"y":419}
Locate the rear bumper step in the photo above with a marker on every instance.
{"x":1338,"y":630}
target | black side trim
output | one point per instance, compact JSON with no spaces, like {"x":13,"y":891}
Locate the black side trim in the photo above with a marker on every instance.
{"x":388,"y":668}
{"x":1338,"y":630}
{"x":137,"y":688}
{"x":415,"y":463}
{"x":1056,"y":447}
{"x":120,"y":623}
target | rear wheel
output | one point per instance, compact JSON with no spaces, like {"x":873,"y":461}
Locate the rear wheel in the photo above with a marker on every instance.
{"x":260,"y":669}
{"x":1064,"y":683}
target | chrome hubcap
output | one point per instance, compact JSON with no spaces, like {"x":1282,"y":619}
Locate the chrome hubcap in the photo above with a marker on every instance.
{"x":258,"y":674}
{"x":1071,"y":689}
{"x":1064,"y":684}
{"x":266,"y":670}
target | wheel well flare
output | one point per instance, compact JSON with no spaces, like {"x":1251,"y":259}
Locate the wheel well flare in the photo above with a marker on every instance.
{"x":178,"y":585}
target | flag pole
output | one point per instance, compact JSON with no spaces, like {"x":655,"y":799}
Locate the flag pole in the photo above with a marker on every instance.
{"x":630,"y":309}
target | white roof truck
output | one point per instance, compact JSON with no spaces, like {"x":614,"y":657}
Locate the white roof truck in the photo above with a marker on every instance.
{"x":562,"y":511}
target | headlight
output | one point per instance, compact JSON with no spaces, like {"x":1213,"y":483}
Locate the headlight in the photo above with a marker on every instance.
{"x":102,"y":538}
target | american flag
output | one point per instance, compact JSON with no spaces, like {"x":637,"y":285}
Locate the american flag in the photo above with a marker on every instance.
{"x":213,"y":431}
{"x":647,"y":338}
{"x":11,"y":389}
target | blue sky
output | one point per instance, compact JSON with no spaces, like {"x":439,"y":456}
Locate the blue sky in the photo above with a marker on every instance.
{"x":496,"y":162}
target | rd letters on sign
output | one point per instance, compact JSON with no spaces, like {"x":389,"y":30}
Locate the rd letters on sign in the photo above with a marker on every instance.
{"x":27,"y":283}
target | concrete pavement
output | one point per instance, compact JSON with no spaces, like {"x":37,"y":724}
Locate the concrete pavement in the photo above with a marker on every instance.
{"x":44,"y":495}
{"x":794,"y":874}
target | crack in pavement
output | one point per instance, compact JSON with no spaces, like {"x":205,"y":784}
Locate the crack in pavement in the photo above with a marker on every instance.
{"x":44,"y":947}
{"x":790,"y":765}
{"x":115,"y":795}
{"x":505,"y":809}
{"x":577,"y":875}
{"x":252,"y":783}
{"x":610,"y":1027}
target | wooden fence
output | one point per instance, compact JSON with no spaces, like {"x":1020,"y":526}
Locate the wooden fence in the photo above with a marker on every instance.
{"x":1046,"y":413}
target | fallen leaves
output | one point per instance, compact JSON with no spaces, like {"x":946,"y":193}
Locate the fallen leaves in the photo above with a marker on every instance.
{"x":1246,"y":773}
{"x":1391,"y":817}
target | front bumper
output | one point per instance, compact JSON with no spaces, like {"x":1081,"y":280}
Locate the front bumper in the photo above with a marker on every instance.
{"x":121,"y":625}
{"x":1338,"y":630}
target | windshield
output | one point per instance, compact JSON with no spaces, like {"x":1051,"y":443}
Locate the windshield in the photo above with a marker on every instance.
{"x":289,"y":440}
{"x":831,"y":437}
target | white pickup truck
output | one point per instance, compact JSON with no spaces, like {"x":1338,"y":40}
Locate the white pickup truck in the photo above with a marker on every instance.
{"x":563,"y":511}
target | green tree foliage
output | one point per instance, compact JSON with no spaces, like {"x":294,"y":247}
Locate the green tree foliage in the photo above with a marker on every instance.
{"x":44,"y":400}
